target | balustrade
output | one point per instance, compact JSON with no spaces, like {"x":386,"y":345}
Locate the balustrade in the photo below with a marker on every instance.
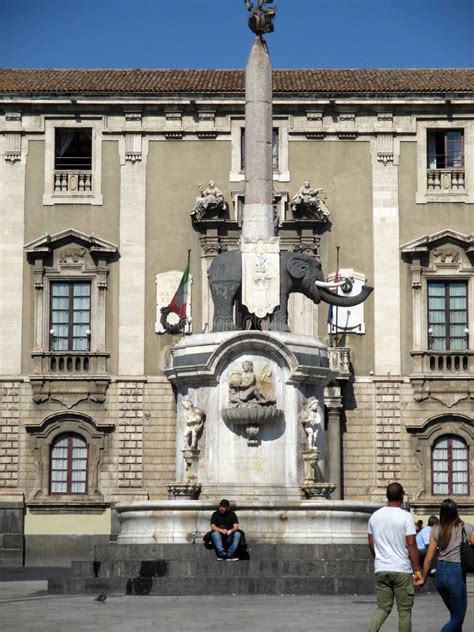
{"x":445,"y":180}
{"x":73,"y":182}
{"x":57,"y":363}
{"x":444,"y":362}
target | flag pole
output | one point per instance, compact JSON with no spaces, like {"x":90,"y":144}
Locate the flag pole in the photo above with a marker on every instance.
{"x":337,"y":279}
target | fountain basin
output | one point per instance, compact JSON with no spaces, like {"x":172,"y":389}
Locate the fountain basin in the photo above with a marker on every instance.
{"x":308,"y":521}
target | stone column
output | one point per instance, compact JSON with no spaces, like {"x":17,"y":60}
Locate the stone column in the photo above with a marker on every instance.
{"x":386,"y":258}
{"x":132,"y":264}
{"x":333,"y":402}
{"x":258,"y":209}
{"x":259,"y":246}
{"x":12,"y":216}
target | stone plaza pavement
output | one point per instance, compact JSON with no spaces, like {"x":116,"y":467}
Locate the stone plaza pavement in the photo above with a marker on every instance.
{"x":25,"y":606}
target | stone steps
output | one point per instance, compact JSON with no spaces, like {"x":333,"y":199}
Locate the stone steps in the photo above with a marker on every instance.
{"x":214,"y":567}
{"x":11,"y":557}
{"x":186,"y":569}
{"x":197,"y":551}
{"x":227,"y":585}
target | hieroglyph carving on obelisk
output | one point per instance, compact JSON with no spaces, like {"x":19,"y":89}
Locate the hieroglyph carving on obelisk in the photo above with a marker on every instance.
{"x":259,"y":245}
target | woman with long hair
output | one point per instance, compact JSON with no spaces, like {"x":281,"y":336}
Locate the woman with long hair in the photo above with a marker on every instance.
{"x":450,"y":580}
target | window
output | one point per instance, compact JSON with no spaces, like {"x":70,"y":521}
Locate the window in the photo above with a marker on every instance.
{"x":445,"y":148}
{"x":73,"y":160}
{"x":68,"y":465}
{"x":73,"y":149}
{"x":70,"y":316}
{"x":447,"y":316}
{"x":450,"y":466}
{"x":275,"y":149}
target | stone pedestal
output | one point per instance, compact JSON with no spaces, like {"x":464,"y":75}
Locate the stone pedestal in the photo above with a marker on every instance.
{"x":191,"y":458}
{"x":252,"y":451}
{"x":310,"y":461}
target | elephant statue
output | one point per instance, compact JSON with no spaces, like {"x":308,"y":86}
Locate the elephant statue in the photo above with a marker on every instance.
{"x":298,"y":273}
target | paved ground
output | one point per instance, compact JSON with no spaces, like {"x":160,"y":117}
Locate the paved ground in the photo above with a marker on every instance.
{"x":25,"y":606}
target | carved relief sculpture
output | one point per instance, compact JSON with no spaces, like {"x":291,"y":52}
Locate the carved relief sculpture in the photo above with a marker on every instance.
{"x":245,"y":390}
{"x":311,"y":420}
{"x":251,"y":399}
{"x":210,"y":203}
{"x":309,"y":203}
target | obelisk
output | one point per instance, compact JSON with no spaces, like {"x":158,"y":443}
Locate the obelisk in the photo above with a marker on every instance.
{"x":259,"y":245}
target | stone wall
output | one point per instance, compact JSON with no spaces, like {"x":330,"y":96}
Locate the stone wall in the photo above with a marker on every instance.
{"x":9,"y":435}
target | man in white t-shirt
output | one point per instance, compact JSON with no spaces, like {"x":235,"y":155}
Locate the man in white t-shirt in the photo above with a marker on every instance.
{"x":392,"y":542}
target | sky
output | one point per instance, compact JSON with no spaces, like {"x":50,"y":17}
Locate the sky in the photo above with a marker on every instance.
{"x":214,"y":34}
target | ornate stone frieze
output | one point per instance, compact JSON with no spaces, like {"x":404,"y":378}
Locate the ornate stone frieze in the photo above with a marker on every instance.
{"x":315,"y":135}
{"x":347,"y":135}
{"x":174,"y":135}
{"x":206,"y":135}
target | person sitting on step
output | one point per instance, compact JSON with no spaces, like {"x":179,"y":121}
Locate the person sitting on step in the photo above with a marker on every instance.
{"x":225,"y":532}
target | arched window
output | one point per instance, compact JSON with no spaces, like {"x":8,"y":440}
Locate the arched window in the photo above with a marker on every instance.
{"x":450,"y":466}
{"x":68,"y":465}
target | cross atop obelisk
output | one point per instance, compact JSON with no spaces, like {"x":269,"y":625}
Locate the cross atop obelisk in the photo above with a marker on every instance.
{"x":259,"y":246}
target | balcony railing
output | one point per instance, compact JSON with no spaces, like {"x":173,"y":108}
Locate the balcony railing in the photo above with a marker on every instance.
{"x":340,"y":360}
{"x":443,"y":362}
{"x":451,"y":179}
{"x":69,"y":363}
{"x":73,"y":182}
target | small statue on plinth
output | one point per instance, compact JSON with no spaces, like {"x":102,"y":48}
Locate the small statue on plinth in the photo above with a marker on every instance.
{"x":194,"y":418}
{"x":311,"y":420}
{"x":209,"y":204}
{"x":309,"y":203}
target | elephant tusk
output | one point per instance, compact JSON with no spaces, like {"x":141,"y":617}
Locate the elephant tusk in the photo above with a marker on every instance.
{"x":330,"y":284}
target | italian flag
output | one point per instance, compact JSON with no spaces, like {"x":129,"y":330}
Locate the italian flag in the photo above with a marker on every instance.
{"x":179,"y":301}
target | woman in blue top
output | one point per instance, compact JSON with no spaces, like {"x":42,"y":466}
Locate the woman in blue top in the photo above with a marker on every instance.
{"x":450,"y":580}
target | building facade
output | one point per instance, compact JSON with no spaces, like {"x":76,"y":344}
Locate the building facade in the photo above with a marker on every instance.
{"x":99,"y":174}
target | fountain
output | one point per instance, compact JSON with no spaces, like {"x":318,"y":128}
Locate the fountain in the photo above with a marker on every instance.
{"x":250,"y":403}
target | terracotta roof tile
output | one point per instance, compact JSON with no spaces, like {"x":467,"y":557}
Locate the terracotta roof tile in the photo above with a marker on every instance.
{"x":48,"y":81}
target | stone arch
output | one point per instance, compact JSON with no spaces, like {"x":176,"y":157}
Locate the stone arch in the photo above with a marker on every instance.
{"x":65,"y":423}
{"x":424,"y":437}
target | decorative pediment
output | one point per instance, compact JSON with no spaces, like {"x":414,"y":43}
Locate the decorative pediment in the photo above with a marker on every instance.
{"x":442,"y":424}
{"x":95,"y":245}
{"x":71,"y":420}
{"x":440,"y":243}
